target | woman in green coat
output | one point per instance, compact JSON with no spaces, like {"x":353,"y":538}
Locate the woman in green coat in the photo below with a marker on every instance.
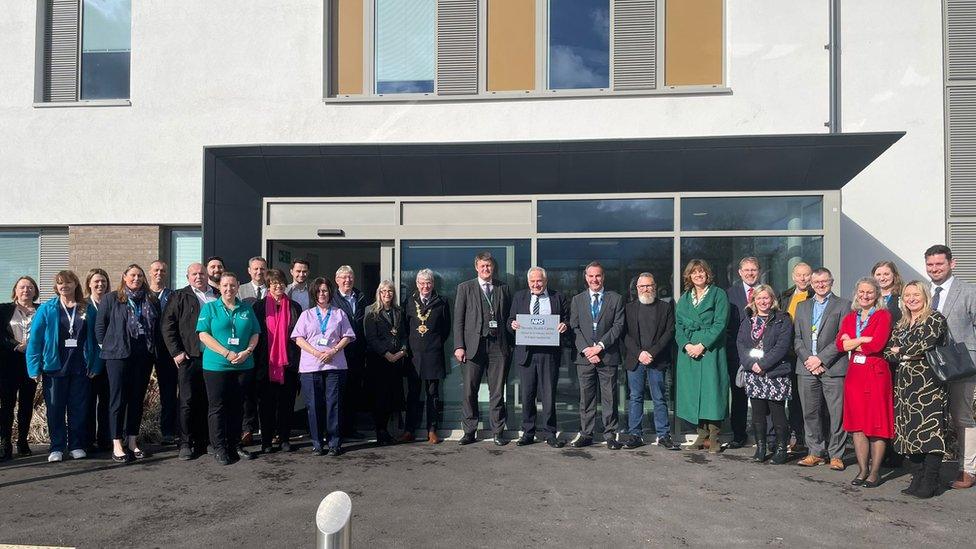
{"x":701,"y":315}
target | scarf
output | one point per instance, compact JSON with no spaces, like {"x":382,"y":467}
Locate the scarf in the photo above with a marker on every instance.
{"x":141,"y":319}
{"x":277,"y":318}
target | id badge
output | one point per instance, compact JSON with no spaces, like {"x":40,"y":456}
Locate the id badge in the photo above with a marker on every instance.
{"x":233,"y":341}
{"x":70,"y":343}
{"x":860,"y":359}
{"x":756,"y":353}
{"x":322,"y":342}
{"x":493,"y":324}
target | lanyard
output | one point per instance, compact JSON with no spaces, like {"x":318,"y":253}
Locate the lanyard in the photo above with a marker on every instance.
{"x":71,"y":317}
{"x":859,"y":326}
{"x":758,"y":328}
{"x":231,"y":313}
{"x":491,"y":310}
{"x":817,"y":318}
{"x":323,"y":324}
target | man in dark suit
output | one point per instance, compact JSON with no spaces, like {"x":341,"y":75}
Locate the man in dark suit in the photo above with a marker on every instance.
{"x":538,"y":366}
{"x":739,"y":294}
{"x":179,"y":330}
{"x":481,"y":344}
{"x":597,"y":319}
{"x":352,"y":302}
{"x":648,"y":337}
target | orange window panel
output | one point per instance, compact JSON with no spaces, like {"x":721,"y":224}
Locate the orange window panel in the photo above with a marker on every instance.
{"x":511,"y":45}
{"x":347,"y":47}
{"x":693,"y":47}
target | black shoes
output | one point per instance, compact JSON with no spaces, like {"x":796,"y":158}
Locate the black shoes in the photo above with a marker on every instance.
{"x":555,"y":443}
{"x":581,"y":441}
{"x":614,"y":444}
{"x":186,"y":452}
{"x":668,"y":444}
{"x":525,"y":440}
{"x":781,"y":455}
{"x":124,"y":458}
{"x":318,"y":451}
{"x":286,"y":446}
{"x":335,"y":451}
{"x":500,"y":440}
{"x":6,"y":450}
{"x":220,"y":456}
{"x":634,"y":441}
{"x":760,"y":455}
{"x":468,"y":438}
{"x":735,"y":444}
{"x":244,"y":454}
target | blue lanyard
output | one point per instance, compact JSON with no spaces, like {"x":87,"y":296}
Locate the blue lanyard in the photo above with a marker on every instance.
{"x":817,"y":318}
{"x":860,"y":325}
{"x":323,"y":324}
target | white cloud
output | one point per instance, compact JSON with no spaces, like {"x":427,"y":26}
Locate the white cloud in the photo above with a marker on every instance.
{"x":568,"y":70}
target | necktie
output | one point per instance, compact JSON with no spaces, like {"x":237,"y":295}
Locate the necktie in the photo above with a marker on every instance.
{"x":260,"y":292}
{"x":595,"y":310}
{"x":488,"y":291}
{"x":749,"y":295}
{"x":423,"y":301}
{"x":535,"y":306}
{"x":936,"y":298}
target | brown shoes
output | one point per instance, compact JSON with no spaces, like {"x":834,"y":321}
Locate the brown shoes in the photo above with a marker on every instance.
{"x":407,"y":436}
{"x":837,"y":464}
{"x":247,"y":438}
{"x":810,"y":461}
{"x":965,"y":480}
{"x":432,"y":438}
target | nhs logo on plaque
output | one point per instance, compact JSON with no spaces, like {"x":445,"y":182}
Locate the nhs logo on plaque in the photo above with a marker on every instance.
{"x":538,"y":322}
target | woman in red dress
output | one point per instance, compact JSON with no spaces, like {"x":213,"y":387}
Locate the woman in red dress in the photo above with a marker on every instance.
{"x":868,"y":402}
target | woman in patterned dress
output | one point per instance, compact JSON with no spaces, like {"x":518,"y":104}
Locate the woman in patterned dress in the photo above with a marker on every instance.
{"x":763,"y":342}
{"x":920,"y":400}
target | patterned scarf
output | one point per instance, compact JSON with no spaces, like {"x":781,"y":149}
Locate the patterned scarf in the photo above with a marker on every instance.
{"x":141,"y":319}
{"x":277,"y":317}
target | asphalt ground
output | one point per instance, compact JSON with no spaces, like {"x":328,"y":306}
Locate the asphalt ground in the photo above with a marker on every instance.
{"x":419,"y":495}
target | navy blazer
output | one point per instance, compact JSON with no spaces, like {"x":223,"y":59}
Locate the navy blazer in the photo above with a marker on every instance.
{"x":521,"y":303}
{"x":355,"y":351}
{"x":777,"y":340}
{"x":111,"y":332}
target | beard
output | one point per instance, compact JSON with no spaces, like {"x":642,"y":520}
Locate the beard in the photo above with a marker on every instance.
{"x":646,"y":299}
{"x":214,"y":281}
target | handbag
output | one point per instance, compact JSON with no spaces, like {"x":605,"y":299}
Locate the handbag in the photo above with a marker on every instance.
{"x":740,"y":377}
{"x":950,"y":362}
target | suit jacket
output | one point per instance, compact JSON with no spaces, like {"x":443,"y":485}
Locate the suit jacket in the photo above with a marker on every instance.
{"x":427,"y":351}
{"x":655,"y":338}
{"x":834,"y":360}
{"x":379,"y":335}
{"x":960,"y":313}
{"x":355,"y":351}
{"x":777,"y":339}
{"x":9,"y":358}
{"x":737,"y":312}
{"x":609,"y":327}
{"x":521,"y":305}
{"x":178,"y":324}
{"x":261,"y":357}
{"x":110,"y":327}
{"x":247,"y":294}
{"x":468,"y":320}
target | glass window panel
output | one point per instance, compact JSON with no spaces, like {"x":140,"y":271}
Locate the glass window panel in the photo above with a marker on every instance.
{"x":186,"y":247}
{"x":106,"y":43}
{"x":511,"y":45}
{"x":622,"y":259}
{"x":405,"y":46}
{"x":21,"y":254}
{"x":776,"y":254}
{"x":579,"y":44}
{"x":752,"y":213}
{"x":583,"y":216}
{"x":453,"y":262}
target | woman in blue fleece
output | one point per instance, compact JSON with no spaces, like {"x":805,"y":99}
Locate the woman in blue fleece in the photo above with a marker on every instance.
{"x":61,"y":351}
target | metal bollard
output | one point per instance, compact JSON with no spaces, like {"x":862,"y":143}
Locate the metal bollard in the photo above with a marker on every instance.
{"x":333,"y":522}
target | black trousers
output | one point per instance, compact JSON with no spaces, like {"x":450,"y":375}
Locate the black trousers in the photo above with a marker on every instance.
{"x":277,"y":405}
{"x":353,"y":393}
{"x":491,"y":360}
{"x":600,"y":378}
{"x":167,"y":378}
{"x":99,"y":432}
{"x":795,"y":415}
{"x":127,"y":381}
{"x":225,"y":407}
{"x":16,"y":389}
{"x":250,"y":403}
{"x":192,"y":404}
{"x":432,"y":398}
{"x":777,"y":410}
{"x":384,"y":381}
{"x":538,"y":378}
{"x":739,"y":403}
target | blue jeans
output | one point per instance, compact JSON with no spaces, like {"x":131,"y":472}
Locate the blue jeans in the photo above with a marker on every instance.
{"x":67,"y":394}
{"x":635,"y":411}
{"x":323,"y":399}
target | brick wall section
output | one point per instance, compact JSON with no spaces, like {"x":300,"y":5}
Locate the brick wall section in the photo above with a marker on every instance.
{"x":112,"y":247}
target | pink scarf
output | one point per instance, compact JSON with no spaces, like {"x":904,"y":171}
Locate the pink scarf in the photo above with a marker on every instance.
{"x":277,"y":318}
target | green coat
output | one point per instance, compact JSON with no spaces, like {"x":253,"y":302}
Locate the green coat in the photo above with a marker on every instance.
{"x":702,"y":384}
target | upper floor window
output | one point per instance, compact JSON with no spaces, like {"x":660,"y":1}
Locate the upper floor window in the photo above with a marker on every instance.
{"x":405,"y":48}
{"x":579,"y":44}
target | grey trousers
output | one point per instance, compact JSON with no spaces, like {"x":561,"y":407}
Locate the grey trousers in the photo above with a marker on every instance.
{"x":600,"y":378}
{"x":492,"y":360}
{"x":814,"y":391}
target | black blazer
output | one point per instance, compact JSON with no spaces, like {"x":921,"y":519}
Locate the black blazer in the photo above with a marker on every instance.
{"x":777,"y":340}
{"x":178,"y":325}
{"x":521,"y":302}
{"x":261,"y":349}
{"x":9,"y":358}
{"x":355,"y":351}
{"x":427,"y":351}
{"x":655,"y":338}
{"x":110,"y":327}
{"x":379,"y":335}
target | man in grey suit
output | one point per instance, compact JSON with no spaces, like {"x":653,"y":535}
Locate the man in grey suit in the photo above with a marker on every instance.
{"x":256,"y":289}
{"x":820,"y":370}
{"x":481,"y":343}
{"x":956,"y":300}
{"x":597,"y":319}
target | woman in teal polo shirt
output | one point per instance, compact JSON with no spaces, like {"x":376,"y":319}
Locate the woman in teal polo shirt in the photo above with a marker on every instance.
{"x":229,"y":332}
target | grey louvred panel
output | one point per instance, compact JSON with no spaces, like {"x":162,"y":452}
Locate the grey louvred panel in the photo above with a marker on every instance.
{"x":61,"y":51}
{"x":962,"y":240}
{"x":961,"y":39}
{"x":961,"y":151}
{"x":634,"y":44}
{"x":54,"y":258}
{"x":457,"y":47}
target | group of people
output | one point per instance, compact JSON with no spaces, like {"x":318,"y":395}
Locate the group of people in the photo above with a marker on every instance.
{"x":230,"y":357}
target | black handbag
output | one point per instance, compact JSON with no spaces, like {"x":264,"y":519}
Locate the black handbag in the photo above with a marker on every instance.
{"x":951,"y":362}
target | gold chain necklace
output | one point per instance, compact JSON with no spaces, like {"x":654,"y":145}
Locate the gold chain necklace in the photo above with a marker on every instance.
{"x":422,"y":329}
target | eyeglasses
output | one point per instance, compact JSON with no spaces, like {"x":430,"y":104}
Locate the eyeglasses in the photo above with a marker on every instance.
{"x":646,"y":286}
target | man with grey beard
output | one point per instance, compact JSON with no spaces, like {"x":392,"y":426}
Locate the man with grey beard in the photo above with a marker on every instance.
{"x":648,"y":335}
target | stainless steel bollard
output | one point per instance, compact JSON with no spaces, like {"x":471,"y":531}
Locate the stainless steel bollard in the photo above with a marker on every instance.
{"x":333,"y":522}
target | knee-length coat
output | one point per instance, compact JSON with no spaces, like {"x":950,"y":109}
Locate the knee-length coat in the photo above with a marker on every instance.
{"x":702,"y":383}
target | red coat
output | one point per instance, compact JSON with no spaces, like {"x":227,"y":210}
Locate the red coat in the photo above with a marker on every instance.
{"x":868,"y":392}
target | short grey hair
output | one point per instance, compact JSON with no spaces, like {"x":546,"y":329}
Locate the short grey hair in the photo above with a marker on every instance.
{"x":425,"y":273}
{"x":257,"y":258}
{"x":646,"y":274}
{"x":344,"y":269}
{"x":538,"y":270}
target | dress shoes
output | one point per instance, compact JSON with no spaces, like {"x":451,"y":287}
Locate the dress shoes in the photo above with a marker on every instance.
{"x":614,"y":444}
{"x":525,"y":440}
{"x":965,"y":480}
{"x":468,"y":438}
{"x":871,"y":483}
{"x":633,"y":441}
{"x":581,"y":441}
{"x":23,"y":449}
{"x":432,"y":437}
{"x":555,"y":443}
{"x":811,"y":461}
{"x":837,"y":464}
{"x":335,"y":451}
{"x":499,"y":440}
{"x":668,"y":443}
{"x":407,"y":436}
{"x":247,"y":438}
{"x":220,"y":456}
{"x":244,"y":454}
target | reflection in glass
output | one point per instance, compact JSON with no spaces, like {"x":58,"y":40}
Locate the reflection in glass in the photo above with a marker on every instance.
{"x":752,"y":213}
{"x":20,"y":253}
{"x":579,"y":44}
{"x":405,"y":46}
{"x":453,"y":262}
{"x":186,"y":247}
{"x":582,"y":216}
{"x":776,"y":254}
{"x":106,"y":43}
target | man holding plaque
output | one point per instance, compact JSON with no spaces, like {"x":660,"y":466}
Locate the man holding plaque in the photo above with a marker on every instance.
{"x":538,"y":364}
{"x":481,"y":344}
{"x":597,"y":319}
